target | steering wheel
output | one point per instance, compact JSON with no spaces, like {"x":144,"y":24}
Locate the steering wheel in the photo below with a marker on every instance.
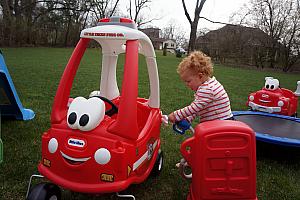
{"x":114,"y":108}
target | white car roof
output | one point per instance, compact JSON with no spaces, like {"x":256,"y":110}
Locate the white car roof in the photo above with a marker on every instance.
{"x":119,"y":34}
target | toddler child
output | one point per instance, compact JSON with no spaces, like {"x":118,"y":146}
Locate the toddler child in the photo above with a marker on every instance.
{"x":211,"y":100}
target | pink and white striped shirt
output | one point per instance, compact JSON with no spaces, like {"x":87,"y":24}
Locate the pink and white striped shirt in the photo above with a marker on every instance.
{"x":211,"y":103}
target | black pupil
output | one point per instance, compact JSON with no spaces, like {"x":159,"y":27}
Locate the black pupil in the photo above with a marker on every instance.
{"x":72,"y":118}
{"x":267,"y":86}
{"x":84,"y":119}
{"x":272,"y":86}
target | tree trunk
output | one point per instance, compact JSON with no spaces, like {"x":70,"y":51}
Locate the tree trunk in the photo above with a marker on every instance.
{"x":55,"y":40}
{"x":193,"y":36}
{"x":67,"y":32}
{"x":7,"y":22}
{"x":272,"y":58}
{"x":194,"y":24}
{"x":165,"y":50}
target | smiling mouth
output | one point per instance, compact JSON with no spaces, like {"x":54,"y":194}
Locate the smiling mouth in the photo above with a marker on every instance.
{"x":74,"y":161}
{"x":264,"y":101}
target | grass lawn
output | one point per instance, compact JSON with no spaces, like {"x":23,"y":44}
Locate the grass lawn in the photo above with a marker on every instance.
{"x":36,"y":73}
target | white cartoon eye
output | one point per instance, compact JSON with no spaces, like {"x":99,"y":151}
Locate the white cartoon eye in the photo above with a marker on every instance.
{"x":271,"y":84}
{"x":73,"y":112}
{"x":93,"y":113}
{"x":85,"y":114}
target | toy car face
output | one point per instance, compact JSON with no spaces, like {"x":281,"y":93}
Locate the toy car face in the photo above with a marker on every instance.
{"x":273,"y":99}
{"x":81,"y":154}
{"x":86,"y":161}
{"x":266,"y":101}
{"x":77,"y":151}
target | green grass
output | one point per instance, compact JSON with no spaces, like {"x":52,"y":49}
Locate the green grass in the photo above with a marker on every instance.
{"x":36,"y":73}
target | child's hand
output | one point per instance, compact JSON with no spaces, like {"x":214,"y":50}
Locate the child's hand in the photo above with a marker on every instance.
{"x":165,"y":120}
{"x":172,"y":118}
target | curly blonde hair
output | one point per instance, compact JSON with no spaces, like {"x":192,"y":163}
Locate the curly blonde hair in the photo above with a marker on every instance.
{"x":198,"y":62}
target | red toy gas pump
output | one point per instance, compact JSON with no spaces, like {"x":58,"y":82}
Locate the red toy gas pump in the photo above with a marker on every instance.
{"x":222,"y":156}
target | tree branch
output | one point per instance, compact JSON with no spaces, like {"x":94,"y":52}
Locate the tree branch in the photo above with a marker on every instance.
{"x":215,"y":22}
{"x":186,"y":12}
{"x":199,"y":8}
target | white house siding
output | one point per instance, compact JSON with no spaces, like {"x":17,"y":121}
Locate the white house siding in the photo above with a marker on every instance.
{"x":171,"y":45}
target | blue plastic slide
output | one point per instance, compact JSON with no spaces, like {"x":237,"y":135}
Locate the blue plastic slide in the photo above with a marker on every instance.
{"x":10,"y":104}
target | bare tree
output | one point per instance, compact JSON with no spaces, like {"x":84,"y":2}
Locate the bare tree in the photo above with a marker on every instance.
{"x":291,"y":38}
{"x":241,"y":16}
{"x":31,"y":22}
{"x":193,"y":23}
{"x":173,"y":31}
{"x":280,"y":20}
{"x":104,"y":8}
{"x":168,"y":32}
{"x":135,"y":9}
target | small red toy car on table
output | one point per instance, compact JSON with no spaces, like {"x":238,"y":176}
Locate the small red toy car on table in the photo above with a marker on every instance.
{"x":104,"y":143}
{"x":273,"y":99}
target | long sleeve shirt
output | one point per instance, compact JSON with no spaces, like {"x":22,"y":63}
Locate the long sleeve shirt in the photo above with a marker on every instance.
{"x":211,"y":102}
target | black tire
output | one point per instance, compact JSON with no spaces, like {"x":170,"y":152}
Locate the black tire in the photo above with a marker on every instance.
{"x":157,"y":168}
{"x":45,"y":191}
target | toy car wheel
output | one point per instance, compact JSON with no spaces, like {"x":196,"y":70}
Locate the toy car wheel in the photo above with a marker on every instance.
{"x":45,"y":191}
{"x":158,"y":163}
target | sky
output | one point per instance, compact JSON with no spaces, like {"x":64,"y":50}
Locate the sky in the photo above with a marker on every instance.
{"x":172,"y":11}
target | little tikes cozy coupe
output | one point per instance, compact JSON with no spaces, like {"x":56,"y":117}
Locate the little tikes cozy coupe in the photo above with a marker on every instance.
{"x":106,"y":142}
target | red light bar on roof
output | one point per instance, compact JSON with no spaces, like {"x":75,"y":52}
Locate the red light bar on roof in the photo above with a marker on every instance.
{"x":122,"y":20}
{"x":104,"y":20}
{"x":117,"y":21}
{"x":125,"y":20}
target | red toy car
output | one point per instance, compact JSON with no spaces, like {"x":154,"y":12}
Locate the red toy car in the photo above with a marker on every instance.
{"x":273,"y":99}
{"x":106,"y":142}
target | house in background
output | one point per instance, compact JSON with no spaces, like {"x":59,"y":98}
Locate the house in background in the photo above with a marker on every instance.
{"x":238,"y":44}
{"x":159,"y":43}
{"x":170,"y":45}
